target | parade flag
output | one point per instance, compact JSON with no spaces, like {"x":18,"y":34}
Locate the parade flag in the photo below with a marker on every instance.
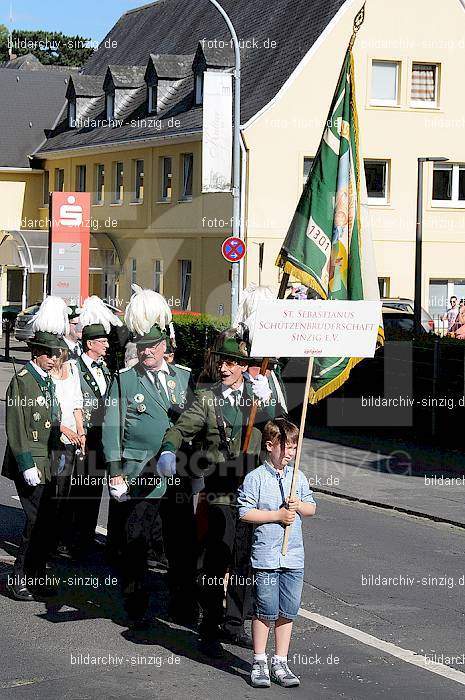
{"x":326,"y":246}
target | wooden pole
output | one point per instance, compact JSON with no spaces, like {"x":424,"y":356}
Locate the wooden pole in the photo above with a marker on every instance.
{"x":263,"y":368}
{"x":299,"y":449}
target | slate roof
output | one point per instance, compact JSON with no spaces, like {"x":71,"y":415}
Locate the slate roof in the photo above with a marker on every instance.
{"x":127,"y":76}
{"x":30,"y":62}
{"x":171,"y":67}
{"x":175,"y":27}
{"x":30,"y":103}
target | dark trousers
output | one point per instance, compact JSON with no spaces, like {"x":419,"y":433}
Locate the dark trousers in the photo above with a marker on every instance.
{"x":38,"y":536}
{"x":137,"y":523}
{"x":85,"y":496}
{"x":63,"y":512}
{"x":228,"y":548}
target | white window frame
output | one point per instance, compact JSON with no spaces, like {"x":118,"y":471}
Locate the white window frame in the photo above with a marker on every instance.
{"x":423,"y":104}
{"x":386,"y":103}
{"x":185,"y":273}
{"x":158,"y":275}
{"x":57,"y":178}
{"x":137,"y":175}
{"x":379,"y":201}
{"x":162,"y":178}
{"x":110,"y":105}
{"x":133,"y":271}
{"x":152,"y":99}
{"x":454,"y":202}
{"x":99,"y":194}
{"x":118,"y":191}
{"x":199,"y":83}
{"x":183,"y":196}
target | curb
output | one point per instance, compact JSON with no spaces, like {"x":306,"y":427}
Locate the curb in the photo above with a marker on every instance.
{"x":385,"y":506}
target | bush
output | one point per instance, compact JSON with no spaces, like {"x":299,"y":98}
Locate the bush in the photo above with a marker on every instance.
{"x":194,"y":335}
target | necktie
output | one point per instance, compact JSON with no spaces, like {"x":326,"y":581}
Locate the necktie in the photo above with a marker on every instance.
{"x":50,"y":388}
{"x":235,"y":396}
{"x":96,"y":364}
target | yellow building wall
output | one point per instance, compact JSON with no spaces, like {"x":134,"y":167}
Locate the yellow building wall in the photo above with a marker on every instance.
{"x":20,"y":197}
{"x":291,"y":129}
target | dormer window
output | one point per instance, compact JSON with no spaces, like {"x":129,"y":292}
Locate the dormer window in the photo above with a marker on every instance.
{"x":152,"y":99}
{"x":199,"y":88}
{"x":110,"y":105}
{"x":72,"y":114}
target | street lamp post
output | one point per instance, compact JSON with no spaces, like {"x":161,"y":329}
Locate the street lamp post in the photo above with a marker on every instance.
{"x":236,"y":188}
{"x":419,"y":241}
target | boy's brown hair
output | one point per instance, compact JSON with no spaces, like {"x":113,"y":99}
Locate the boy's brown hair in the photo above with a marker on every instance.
{"x":279,"y":429}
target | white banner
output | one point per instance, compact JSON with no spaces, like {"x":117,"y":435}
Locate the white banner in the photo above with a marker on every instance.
{"x":217,"y":132}
{"x":305,"y":328}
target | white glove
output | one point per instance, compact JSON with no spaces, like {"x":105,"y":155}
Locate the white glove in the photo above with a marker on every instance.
{"x":166,"y":465}
{"x":119,"y":492}
{"x":31,"y":476}
{"x":261,"y":388}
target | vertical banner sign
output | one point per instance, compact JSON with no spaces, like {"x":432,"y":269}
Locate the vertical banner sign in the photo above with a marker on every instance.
{"x":217,"y":132}
{"x":69,"y":243}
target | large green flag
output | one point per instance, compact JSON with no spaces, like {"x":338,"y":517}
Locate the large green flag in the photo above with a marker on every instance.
{"x":325,"y":247}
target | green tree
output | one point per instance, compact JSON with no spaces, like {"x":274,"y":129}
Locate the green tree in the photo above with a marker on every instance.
{"x":3,"y":43}
{"x":51,"y":48}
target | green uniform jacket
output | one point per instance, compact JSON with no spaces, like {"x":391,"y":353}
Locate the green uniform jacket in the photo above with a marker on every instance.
{"x":29,"y":431}
{"x":136,"y":419}
{"x":224,"y":465}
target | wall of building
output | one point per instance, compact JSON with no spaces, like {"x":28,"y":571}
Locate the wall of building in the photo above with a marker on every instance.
{"x":20,"y":195}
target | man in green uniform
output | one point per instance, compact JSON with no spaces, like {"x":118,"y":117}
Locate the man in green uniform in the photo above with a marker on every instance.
{"x":142,"y":405}
{"x":33,"y":432}
{"x":218,"y":417}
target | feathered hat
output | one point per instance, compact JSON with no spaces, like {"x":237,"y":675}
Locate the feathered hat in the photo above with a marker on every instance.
{"x":96,"y":319}
{"x":147,"y":316}
{"x":73,"y":309}
{"x":50,"y":323}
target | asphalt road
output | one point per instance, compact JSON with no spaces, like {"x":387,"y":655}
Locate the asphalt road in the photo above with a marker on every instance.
{"x":52,"y":653}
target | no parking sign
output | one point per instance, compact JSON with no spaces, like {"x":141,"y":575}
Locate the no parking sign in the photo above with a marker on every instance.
{"x":233,"y":249}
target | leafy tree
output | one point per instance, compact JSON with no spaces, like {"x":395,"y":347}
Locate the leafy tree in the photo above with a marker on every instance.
{"x":3,"y":43}
{"x":51,"y":48}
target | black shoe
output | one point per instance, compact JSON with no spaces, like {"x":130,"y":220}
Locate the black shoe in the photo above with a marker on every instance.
{"x":19,"y":591}
{"x":239,"y":639}
{"x":210,"y":646}
{"x":185,"y":615}
{"x":45,"y":591}
{"x":64,"y":551}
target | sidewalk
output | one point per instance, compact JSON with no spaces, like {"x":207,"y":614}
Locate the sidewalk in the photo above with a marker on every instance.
{"x":396,"y":475}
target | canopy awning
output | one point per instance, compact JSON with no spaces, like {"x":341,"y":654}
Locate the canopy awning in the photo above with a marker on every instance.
{"x":29,"y":250}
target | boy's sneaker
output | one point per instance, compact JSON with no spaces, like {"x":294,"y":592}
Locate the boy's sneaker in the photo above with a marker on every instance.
{"x":260,"y":675}
{"x":282,"y":675}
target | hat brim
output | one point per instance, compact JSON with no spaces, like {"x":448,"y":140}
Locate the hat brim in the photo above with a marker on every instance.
{"x":233,"y":356}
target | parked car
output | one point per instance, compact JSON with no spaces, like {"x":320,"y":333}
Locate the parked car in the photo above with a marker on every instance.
{"x":396,"y":321}
{"x":407,"y":305}
{"x":23,"y":326}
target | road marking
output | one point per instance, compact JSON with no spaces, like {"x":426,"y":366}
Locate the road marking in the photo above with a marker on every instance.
{"x":410,"y":657}
{"x":20,"y":682}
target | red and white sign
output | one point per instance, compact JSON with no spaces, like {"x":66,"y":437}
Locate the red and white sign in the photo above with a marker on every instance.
{"x":233,"y":249}
{"x":69,"y":243}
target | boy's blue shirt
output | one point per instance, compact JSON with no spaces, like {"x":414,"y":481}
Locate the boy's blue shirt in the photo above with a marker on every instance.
{"x":262,"y":489}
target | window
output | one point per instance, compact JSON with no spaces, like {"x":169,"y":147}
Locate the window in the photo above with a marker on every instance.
{"x":99,"y":184}
{"x":72,"y":114}
{"x":46,"y":187}
{"x":424,"y":90}
{"x":186,"y":282}
{"x":133,"y":271}
{"x":166,"y":179}
{"x":80,"y":178}
{"x":110,"y":105}
{"x":385,"y":83}
{"x":118,"y":181}
{"x":376,"y":174}
{"x":308,"y":162}
{"x":440,"y":293}
{"x":187,"y":160}
{"x":384,"y":284}
{"x":138,"y":181}
{"x":199,"y":88}
{"x":158,"y":276}
{"x":59,"y":180}
{"x":152,"y":99}
{"x":449,"y":184}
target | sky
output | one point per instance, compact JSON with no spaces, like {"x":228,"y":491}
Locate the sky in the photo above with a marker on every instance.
{"x":89,"y":18}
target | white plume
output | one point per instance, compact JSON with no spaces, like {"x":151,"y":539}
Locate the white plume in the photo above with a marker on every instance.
{"x":52,"y":316}
{"x":95,"y":311}
{"x":145,"y":309}
{"x":248,"y":305}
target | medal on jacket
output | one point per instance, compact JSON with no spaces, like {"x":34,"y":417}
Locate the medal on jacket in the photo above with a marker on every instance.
{"x":35,"y":435}
{"x":141,"y":408}
{"x":138,"y":398}
{"x":47,"y":424}
{"x":36,"y":416}
{"x":40,"y":400}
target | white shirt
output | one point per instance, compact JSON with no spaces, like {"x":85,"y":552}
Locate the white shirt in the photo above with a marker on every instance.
{"x":161,"y":374}
{"x":74,"y":347}
{"x":41,"y":372}
{"x":96,"y":372}
{"x":227,"y":393}
{"x":69,"y":396}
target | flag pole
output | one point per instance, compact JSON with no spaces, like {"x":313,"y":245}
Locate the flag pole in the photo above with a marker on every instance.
{"x":298,"y":453}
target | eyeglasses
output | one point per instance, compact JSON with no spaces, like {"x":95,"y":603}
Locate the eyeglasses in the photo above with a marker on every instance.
{"x":229,"y":363}
{"x":102,"y":341}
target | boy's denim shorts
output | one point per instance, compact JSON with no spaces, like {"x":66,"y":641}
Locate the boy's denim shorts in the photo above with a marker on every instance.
{"x":278,"y":593}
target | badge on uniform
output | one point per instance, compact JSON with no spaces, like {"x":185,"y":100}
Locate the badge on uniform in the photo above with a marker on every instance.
{"x":171,"y":383}
{"x":173,"y":398}
{"x":36,"y":416}
{"x":35,"y":435}
{"x":141,"y":408}
{"x":40,"y":401}
{"x":47,"y":424}
{"x":138,"y":398}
